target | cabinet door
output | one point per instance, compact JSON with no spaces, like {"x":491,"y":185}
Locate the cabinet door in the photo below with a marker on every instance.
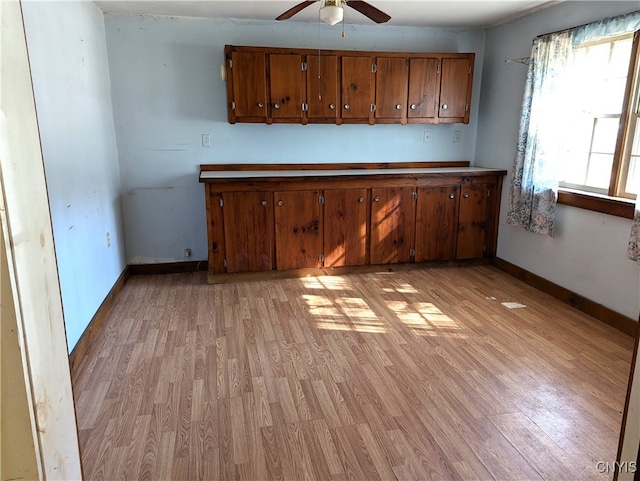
{"x":215,"y":231}
{"x":392,"y":224}
{"x":472,"y":221}
{"x":249,"y":85}
{"x":357,"y":88}
{"x":436,"y":223}
{"x":286,"y":86}
{"x":345,"y":227}
{"x":298,"y":218}
{"x":322,"y":87}
{"x":248,"y":231}
{"x":455,"y":89}
{"x":423,"y":88}
{"x":391,"y":89}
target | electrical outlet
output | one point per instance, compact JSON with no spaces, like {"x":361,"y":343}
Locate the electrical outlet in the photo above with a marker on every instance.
{"x":187,"y":252}
{"x":426,"y":137}
{"x":206,"y":140}
{"x":108,"y":239}
{"x":456,"y":136}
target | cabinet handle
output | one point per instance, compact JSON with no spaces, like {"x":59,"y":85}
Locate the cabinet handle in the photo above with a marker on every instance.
{"x":361,"y":199}
{"x":263,"y":203}
{"x":260,"y":104}
{"x":376,"y":199}
{"x":346,"y":106}
{"x":466,"y":195}
{"x":398,"y":106}
{"x":332,"y":106}
{"x":276,"y":106}
{"x":280,"y":202}
{"x":452,"y":196}
{"x":414,"y":106}
{"x":445,"y":106}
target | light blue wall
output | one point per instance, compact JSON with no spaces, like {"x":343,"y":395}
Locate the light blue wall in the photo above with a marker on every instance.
{"x":68,"y":56}
{"x":588,"y":255}
{"x":167,"y":91}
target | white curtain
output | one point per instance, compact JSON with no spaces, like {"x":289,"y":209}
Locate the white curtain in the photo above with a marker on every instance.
{"x":634,"y":241}
{"x":534,"y":179}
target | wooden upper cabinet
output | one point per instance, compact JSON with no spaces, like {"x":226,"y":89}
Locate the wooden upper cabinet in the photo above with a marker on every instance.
{"x":298,"y":229}
{"x":249,"y":85}
{"x":437,"y":223}
{"x":392,"y":224}
{"x":423,"y":89}
{"x":345,"y":227}
{"x":391,"y":89}
{"x":322,"y":87}
{"x":455,"y":89}
{"x":248,"y":231}
{"x":286,"y":86}
{"x":472,"y":221}
{"x":357,"y":89}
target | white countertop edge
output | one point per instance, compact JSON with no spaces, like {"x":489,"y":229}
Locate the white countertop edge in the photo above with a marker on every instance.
{"x":242,"y":174}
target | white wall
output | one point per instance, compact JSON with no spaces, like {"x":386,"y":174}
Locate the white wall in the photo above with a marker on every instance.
{"x":68,"y":56}
{"x":167,"y":91}
{"x":588,"y":255}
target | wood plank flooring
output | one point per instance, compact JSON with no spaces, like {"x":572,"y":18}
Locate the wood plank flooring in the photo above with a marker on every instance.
{"x":416,"y":375}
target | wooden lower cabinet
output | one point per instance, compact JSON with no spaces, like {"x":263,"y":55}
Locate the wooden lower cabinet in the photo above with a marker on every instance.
{"x":215,"y":232}
{"x":472,"y":221}
{"x":298,"y":229}
{"x":248,"y":231}
{"x":346,"y":227}
{"x":300,"y":222}
{"x":392,"y":224}
{"x":437,"y":223}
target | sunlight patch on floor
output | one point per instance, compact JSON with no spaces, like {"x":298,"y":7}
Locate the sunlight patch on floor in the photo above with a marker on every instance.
{"x":333,"y":325}
{"x":333,"y":283}
{"x":345,"y":314}
{"x":425,"y":319}
{"x":355,"y":314}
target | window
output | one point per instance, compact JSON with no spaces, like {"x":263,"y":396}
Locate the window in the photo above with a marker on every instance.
{"x":601,"y":141}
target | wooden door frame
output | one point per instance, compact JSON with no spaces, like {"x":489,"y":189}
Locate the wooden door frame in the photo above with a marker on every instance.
{"x":31,"y":264}
{"x":629,"y":444}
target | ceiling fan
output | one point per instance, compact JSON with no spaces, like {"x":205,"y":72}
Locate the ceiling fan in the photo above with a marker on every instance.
{"x":331,"y":11}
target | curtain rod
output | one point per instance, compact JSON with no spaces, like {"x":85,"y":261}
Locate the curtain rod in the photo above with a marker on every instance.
{"x":564,"y":30}
{"x":588,"y":23}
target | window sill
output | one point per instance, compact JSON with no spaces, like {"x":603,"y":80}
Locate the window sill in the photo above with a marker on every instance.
{"x":598,"y":203}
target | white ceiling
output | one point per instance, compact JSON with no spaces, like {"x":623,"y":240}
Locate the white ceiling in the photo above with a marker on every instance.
{"x":419,"y":13}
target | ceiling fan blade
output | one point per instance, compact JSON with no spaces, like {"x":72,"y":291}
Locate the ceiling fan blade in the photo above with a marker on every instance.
{"x":292,"y":11}
{"x":369,"y":10}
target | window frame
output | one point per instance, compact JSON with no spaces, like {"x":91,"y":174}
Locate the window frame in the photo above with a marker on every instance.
{"x":616,"y":201}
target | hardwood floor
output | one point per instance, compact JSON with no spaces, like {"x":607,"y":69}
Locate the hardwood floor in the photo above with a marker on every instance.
{"x":415,"y":375}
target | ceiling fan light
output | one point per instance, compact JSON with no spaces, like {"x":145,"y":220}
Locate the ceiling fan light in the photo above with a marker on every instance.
{"x":331,"y":14}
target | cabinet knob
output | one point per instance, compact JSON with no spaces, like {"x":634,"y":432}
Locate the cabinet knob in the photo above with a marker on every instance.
{"x":465,"y":195}
{"x":280,"y":202}
{"x":452,"y":196}
{"x":376,"y":199}
{"x":361,"y":199}
{"x":445,"y":106}
{"x":398,"y":106}
{"x":332,"y":106}
{"x":414,"y":106}
{"x":260,"y":104}
{"x":263,"y":203}
{"x":276,"y":106}
{"x":346,"y":106}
